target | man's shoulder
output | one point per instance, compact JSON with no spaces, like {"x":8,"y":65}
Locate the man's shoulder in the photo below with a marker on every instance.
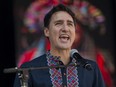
{"x":35,"y":62}
{"x":92,"y":63}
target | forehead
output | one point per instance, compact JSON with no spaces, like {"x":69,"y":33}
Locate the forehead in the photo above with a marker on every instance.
{"x":61,"y":15}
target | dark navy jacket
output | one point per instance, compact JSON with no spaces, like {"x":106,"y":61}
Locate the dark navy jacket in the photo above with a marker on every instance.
{"x":41,"y":77}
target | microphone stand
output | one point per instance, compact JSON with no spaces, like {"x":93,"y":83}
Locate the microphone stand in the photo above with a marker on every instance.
{"x":23,"y":73}
{"x":23,"y":77}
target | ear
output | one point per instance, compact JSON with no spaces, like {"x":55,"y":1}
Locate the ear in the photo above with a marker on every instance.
{"x":46,"y":32}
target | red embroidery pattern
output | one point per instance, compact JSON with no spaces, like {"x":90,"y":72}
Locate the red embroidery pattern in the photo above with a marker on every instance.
{"x":56,"y":76}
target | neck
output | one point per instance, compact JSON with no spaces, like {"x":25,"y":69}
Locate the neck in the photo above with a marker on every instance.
{"x":64,"y":55}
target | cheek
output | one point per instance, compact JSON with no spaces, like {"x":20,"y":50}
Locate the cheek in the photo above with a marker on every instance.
{"x":54,"y":31}
{"x":54,"y":34}
{"x":74,"y":34}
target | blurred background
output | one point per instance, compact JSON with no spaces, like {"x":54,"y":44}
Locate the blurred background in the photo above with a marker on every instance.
{"x":22,"y":37}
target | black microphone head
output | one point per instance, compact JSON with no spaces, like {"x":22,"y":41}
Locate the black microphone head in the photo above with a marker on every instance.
{"x":88,"y":66}
{"x":72,"y":52}
{"x":80,"y":60}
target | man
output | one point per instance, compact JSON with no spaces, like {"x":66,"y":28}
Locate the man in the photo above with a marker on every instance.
{"x":60,"y":26}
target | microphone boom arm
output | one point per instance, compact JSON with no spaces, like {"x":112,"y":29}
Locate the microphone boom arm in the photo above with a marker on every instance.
{"x":13,"y":70}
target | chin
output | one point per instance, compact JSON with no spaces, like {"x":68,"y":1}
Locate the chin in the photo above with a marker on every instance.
{"x":65,"y":47}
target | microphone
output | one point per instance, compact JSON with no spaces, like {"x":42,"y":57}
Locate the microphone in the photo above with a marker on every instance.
{"x":80,"y":60}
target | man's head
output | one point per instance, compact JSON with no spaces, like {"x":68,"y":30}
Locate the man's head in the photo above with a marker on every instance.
{"x":60,"y":27}
{"x":55,"y":9}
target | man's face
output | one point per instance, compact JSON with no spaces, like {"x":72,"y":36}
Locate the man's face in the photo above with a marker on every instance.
{"x":61,"y":32}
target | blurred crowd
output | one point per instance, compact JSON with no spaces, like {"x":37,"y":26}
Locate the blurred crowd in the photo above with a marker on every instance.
{"x":90,"y":24}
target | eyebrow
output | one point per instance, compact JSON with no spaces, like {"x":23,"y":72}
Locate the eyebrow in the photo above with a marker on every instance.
{"x":58,"y":21}
{"x":69,"y":21}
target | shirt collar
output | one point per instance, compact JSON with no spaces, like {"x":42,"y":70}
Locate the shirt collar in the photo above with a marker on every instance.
{"x":56,"y":59}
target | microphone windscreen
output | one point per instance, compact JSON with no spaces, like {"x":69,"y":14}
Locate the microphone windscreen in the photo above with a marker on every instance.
{"x":72,"y":52}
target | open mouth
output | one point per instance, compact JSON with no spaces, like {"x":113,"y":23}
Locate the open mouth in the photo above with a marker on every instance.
{"x":64,"y":38}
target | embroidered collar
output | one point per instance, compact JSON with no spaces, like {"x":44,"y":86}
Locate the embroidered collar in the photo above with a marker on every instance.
{"x":56,"y":76}
{"x":54,"y":59}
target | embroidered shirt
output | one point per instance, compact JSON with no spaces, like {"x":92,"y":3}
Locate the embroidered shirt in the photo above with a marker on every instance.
{"x":66,"y":76}
{"x":60,"y":77}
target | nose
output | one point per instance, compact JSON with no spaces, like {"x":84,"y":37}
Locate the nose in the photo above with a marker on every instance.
{"x":65,"y":28}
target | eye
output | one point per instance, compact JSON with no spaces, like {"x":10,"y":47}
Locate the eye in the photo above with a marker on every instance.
{"x":70,"y":24}
{"x":58,"y":23}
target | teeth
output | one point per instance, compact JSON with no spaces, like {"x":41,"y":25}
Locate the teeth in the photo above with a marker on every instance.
{"x":64,"y":38}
